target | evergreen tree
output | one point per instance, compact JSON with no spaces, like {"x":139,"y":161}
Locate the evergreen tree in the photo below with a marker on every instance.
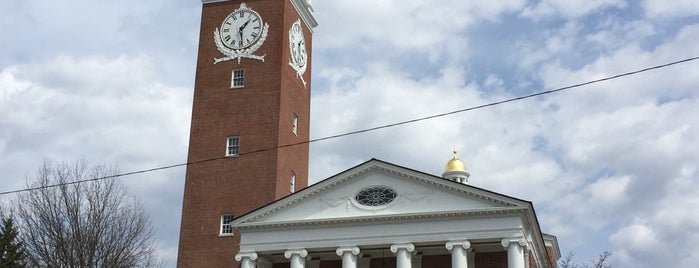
{"x":11,"y":251}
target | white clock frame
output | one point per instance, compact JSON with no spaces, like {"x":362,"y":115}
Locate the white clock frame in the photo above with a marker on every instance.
{"x":294,"y":39}
{"x":231,"y":54}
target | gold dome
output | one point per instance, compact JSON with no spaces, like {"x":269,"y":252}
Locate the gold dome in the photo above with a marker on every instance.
{"x":455,"y":164}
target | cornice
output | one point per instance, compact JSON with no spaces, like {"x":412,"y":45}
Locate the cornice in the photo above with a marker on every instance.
{"x":305,"y":10}
{"x":303,"y":7}
{"x":531,"y":224}
{"x":380,"y":168}
{"x":413,"y":217}
{"x":445,"y":184}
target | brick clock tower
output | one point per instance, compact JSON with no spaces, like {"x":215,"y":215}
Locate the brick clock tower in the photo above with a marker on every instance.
{"x":252,"y":95}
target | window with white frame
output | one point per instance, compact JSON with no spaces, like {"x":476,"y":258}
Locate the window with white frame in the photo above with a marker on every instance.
{"x":232,"y":145}
{"x":226,"y":227}
{"x":295,"y":124}
{"x":292,"y":182}
{"x":238,"y":78}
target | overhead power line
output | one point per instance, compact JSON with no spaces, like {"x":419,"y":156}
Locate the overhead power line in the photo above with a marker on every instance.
{"x":367,"y":129}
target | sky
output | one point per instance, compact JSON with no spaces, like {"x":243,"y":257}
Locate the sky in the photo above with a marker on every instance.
{"x":609,"y":167}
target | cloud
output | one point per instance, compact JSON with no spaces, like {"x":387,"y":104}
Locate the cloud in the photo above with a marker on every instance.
{"x":592,"y":159}
{"x":568,"y":9}
{"x":633,"y":137}
{"x":679,"y":8}
{"x":668,"y":221}
{"x":396,"y":29}
{"x":610,"y":166}
{"x":118,"y":114}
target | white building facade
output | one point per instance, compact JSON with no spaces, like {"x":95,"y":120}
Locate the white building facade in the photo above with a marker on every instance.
{"x":378,"y":214}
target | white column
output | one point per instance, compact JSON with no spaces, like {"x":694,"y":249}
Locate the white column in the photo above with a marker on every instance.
{"x":459,"y":253}
{"x":403,"y":254}
{"x":297,"y":256}
{"x":246,"y":259}
{"x":349,"y":256}
{"x":515,"y":252}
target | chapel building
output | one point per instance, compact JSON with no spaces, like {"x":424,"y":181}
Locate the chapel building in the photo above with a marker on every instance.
{"x":247,"y":202}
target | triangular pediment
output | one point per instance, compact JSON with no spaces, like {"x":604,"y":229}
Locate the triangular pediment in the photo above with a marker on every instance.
{"x":387,"y":190}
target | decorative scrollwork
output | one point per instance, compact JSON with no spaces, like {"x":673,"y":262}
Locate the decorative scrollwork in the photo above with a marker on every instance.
{"x":297,"y":47}
{"x":231,"y":54}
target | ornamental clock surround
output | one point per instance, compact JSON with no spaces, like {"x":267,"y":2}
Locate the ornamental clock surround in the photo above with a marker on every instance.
{"x":297,"y":50}
{"x":242,"y":33}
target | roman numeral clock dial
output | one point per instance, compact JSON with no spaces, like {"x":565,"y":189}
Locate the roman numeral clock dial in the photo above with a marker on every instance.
{"x":241,"y":29}
{"x":241,"y":34}
{"x":297,"y":50}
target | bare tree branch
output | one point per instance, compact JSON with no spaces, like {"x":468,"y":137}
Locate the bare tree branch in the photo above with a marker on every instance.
{"x":601,"y":261}
{"x":93,"y":224}
{"x":567,"y":261}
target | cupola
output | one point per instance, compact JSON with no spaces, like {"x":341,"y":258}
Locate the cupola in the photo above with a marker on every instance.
{"x":455,"y":170}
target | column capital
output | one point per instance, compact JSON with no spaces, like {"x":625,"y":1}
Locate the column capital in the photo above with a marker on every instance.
{"x":518,"y":240}
{"x":299,"y":251}
{"x":246,"y":254}
{"x":407,"y":246}
{"x":343,"y":250}
{"x":458,"y":243}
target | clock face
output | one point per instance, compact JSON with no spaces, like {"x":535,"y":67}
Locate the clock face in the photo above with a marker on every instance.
{"x":241,"y":29}
{"x":297,"y":44}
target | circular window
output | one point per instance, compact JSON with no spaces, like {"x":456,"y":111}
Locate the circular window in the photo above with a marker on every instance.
{"x":375,"y":196}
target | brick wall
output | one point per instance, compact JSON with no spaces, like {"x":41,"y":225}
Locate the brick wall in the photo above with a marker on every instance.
{"x":260,"y":113}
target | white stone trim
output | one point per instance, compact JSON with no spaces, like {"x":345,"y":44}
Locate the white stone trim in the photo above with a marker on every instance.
{"x":291,"y":252}
{"x":342,"y":250}
{"x":246,"y":254}
{"x":247,"y":259}
{"x":385,"y":218}
{"x":305,"y":11}
{"x":407,"y":246}
{"x":507,"y":241}
{"x":458,"y":243}
{"x":212,"y":1}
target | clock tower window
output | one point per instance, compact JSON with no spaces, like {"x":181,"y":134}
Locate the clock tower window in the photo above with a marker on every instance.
{"x":295,"y":124}
{"x":238,"y":78}
{"x":232,"y":145}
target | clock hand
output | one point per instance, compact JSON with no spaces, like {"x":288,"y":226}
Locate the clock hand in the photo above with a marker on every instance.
{"x":244,"y":25}
{"x":240,"y":32}
{"x":298,"y":55}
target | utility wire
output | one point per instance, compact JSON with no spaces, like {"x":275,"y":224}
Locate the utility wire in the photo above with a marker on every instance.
{"x":367,"y":129}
